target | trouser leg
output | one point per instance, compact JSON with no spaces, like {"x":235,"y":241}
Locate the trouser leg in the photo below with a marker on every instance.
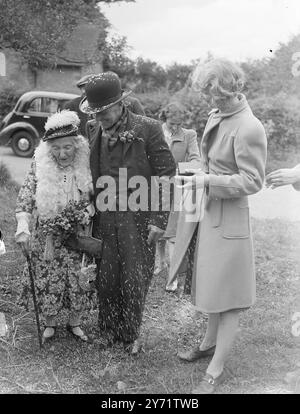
{"x":137,"y":265}
{"x":108,"y":276}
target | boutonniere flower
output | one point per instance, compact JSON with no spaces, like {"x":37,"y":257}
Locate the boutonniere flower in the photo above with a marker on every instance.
{"x":129,"y":136}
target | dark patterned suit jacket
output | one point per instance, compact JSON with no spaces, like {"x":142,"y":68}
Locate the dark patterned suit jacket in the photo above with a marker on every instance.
{"x":147,"y":157}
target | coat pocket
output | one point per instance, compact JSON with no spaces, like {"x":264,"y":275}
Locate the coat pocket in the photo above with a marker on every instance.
{"x":215,"y":212}
{"x":236,"y":219}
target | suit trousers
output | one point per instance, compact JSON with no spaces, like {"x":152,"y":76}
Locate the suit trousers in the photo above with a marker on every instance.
{"x":124,"y":272}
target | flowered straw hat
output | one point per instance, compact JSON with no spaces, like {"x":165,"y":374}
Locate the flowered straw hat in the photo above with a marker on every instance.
{"x":61,"y":124}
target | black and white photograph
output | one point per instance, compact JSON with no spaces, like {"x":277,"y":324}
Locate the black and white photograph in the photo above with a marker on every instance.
{"x":149,"y":199}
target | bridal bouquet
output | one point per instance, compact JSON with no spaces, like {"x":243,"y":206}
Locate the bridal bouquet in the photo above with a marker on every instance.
{"x":64,"y":224}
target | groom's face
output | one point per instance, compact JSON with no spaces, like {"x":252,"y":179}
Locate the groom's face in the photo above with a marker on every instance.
{"x":110,"y":116}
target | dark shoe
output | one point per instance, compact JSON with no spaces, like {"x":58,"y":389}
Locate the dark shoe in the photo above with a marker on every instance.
{"x":48,"y":335}
{"x":83,"y":337}
{"x":195,"y":353}
{"x":209,"y":384}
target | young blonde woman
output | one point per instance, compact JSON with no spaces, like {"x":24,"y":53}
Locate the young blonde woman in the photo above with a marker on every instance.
{"x":233,"y":150}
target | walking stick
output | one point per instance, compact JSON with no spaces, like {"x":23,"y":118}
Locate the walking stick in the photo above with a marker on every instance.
{"x":30,"y":271}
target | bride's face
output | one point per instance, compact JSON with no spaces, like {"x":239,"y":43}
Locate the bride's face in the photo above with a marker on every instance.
{"x":63,"y":150}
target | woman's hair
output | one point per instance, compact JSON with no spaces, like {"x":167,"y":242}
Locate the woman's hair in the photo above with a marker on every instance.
{"x":219,"y":77}
{"x":173,"y":110}
{"x":78,"y":141}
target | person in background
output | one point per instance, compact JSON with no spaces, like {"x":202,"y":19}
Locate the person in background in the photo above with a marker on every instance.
{"x":184,"y":147}
{"x":234,"y":151}
{"x":284,"y":176}
{"x":73,"y":105}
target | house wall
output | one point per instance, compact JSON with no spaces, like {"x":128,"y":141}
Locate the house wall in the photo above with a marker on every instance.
{"x":62,"y":79}
{"x":18,"y":76}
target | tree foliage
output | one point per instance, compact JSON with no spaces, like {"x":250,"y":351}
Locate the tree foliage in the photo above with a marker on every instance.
{"x":39,"y":29}
{"x":115,"y":58}
{"x":270,"y":76}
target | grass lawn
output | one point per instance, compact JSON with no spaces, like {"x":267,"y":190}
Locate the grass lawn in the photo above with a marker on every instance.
{"x":265,"y":349}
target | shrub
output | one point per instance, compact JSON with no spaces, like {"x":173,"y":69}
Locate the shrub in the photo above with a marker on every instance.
{"x":8,"y":99}
{"x":6,"y":180}
{"x":280,"y":115}
{"x":154,"y":101}
{"x":197,"y":110}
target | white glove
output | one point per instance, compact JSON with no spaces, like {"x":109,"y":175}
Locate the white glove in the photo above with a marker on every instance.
{"x":23,"y":220}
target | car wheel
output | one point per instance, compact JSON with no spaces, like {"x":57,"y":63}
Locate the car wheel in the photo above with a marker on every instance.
{"x":23,"y":144}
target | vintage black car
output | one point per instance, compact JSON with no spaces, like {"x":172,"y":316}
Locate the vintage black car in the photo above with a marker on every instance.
{"x":24,"y":125}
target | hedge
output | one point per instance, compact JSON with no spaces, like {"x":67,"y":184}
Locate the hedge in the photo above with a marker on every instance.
{"x":280,"y":114}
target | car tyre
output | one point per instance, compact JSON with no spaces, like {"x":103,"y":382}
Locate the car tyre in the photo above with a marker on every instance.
{"x":23,"y":144}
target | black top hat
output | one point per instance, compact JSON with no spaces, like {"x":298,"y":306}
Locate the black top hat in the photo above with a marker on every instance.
{"x":102,"y":91}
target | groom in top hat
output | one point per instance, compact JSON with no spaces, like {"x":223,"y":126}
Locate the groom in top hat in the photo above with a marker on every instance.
{"x":124,"y":145}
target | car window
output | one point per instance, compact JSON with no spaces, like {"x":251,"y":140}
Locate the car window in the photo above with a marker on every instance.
{"x":43,"y":104}
{"x":61,"y":103}
{"x":49,"y":105}
{"x":35,"y":105}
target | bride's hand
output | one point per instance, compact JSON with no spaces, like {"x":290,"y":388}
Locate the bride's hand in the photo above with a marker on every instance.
{"x":195,"y":171}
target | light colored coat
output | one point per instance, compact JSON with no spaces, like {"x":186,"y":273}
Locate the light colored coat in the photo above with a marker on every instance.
{"x":184,"y":147}
{"x":233,"y":150}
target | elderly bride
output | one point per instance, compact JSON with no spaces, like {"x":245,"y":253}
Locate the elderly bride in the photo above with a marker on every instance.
{"x":59,"y":175}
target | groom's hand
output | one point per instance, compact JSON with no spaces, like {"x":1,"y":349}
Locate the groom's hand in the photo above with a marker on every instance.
{"x":155,"y":234}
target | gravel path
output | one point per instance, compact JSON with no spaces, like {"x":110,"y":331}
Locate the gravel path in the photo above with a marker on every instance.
{"x":18,"y":166}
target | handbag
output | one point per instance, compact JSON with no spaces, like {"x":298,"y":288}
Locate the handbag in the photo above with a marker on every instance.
{"x":85,"y":244}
